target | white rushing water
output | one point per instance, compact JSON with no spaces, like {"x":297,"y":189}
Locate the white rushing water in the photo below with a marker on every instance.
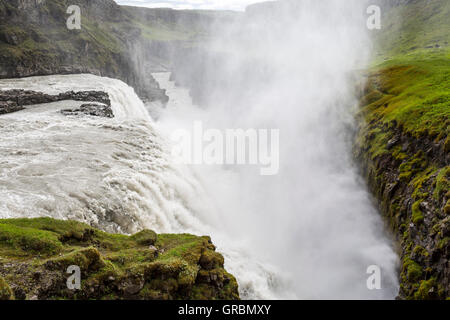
{"x":115,"y":174}
{"x":323,"y":247}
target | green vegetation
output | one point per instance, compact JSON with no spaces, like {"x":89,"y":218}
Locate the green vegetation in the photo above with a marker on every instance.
{"x":414,"y":94}
{"x":5,"y":291}
{"x":403,"y":142}
{"x":142,"y":266}
{"x":412,"y":269}
{"x":417,"y":216}
{"x":413,"y":30}
{"x":425,"y":287}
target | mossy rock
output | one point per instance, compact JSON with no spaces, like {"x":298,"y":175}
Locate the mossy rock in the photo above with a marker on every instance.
{"x":417,"y":215}
{"x":5,"y":291}
{"x":426,"y":290}
{"x":145,"y":237}
{"x":211,"y":260}
{"x":113,"y":266}
{"x":87,"y":259}
{"x":413,"y":270}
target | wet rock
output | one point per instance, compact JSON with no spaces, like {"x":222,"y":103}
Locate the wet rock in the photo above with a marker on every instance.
{"x":9,"y":106}
{"x":19,"y":294}
{"x":132,"y":286}
{"x":15,"y":100}
{"x":91,"y":109}
{"x":391,"y":143}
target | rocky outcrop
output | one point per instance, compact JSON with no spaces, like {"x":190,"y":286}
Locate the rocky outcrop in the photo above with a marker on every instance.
{"x":15,"y":100}
{"x":35,"y":256}
{"x":90,"y":109}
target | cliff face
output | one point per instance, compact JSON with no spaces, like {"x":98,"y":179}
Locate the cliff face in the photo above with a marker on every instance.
{"x":407,"y":169}
{"x":35,"y":255}
{"x":34,"y":40}
{"x":114,"y":41}
{"x":403,"y":142}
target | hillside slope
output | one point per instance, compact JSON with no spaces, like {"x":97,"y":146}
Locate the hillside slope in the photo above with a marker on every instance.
{"x":403,"y":141}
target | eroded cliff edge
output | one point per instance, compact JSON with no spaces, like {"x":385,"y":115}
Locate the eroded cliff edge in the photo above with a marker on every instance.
{"x":36,"y":253}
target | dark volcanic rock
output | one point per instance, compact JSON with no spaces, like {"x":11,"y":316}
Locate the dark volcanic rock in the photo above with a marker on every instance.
{"x":9,"y":106}
{"x":91,"y":109}
{"x":16,"y":99}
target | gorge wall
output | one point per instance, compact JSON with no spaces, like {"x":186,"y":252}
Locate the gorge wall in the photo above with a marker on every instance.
{"x":114,"y":41}
{"x":403,"y":143}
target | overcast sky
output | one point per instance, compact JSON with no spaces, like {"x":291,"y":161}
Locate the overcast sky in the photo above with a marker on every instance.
{"x":192,"y":4}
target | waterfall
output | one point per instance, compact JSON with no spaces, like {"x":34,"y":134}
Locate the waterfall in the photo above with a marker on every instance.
{"x":291,"y":66}
{"x":124,"y":101}
{"x":115,"y":174}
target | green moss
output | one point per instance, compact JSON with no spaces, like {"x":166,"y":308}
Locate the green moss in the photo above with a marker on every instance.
{"x":415,"y":95}
{"x":5,"y":291}
{"x":417,"y":215}
{"x":447,"y":208}
{"x":145,"y":237}
{"x":28,"y":240}
{"x":421,"y":251}
{"x":86,"y":258}
{"x":64,"y":230}
{"x":162,"y":267}
{"x":190,"y":249}
{"x":211,"y":260}
{"x":443,"y":243}
{"x":442,"y":183}
{"x":413,"y":270}
{"x":425,"y":290}
{"x":447,"y":145}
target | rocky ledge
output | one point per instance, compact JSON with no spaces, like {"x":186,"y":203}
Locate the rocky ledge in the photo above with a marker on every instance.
{"x":16,"y":99}
{"x":90,"y":109}
{"x":35,"y":255}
